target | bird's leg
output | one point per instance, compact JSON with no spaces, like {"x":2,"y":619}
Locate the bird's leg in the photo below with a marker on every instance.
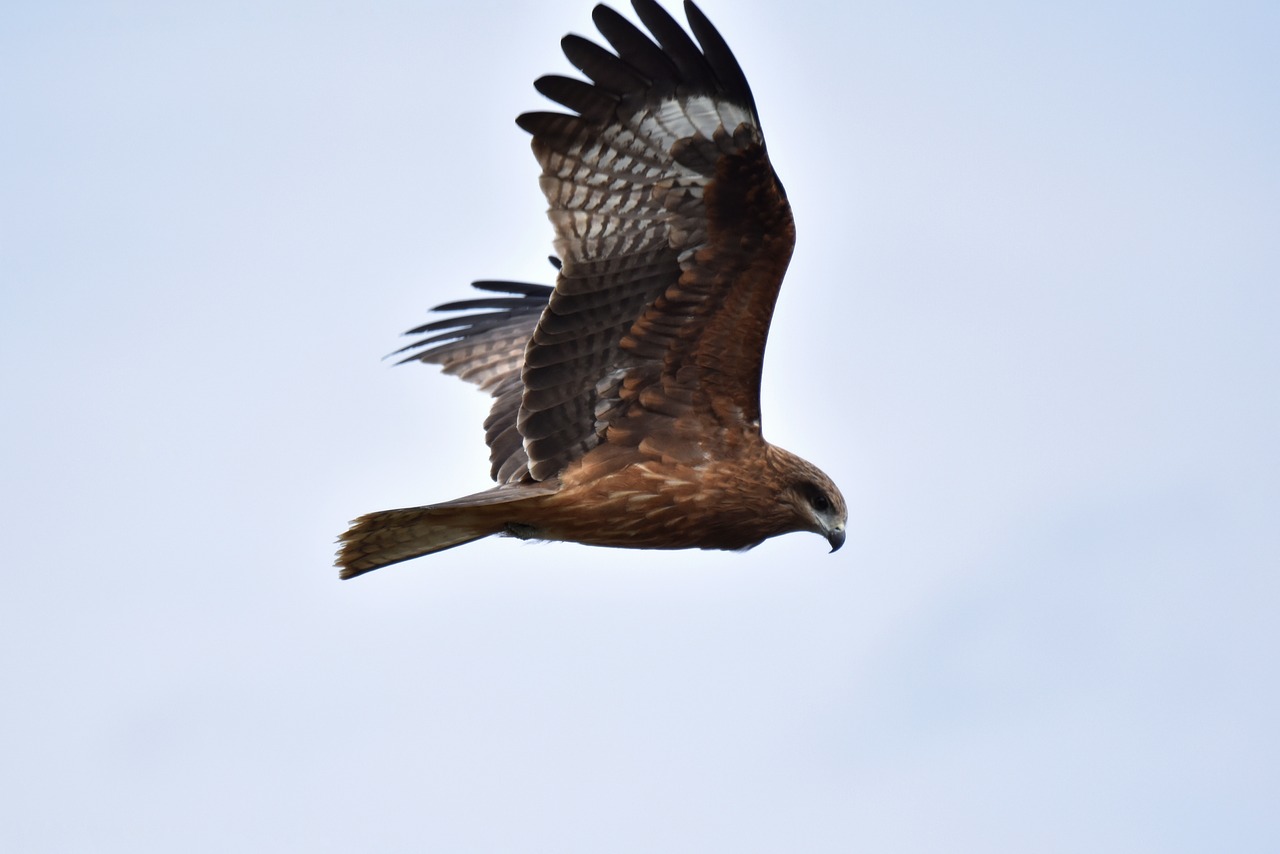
{"x":520,"y":531}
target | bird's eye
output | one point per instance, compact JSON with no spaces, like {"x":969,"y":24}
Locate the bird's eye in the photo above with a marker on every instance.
{"x":818,"y":499}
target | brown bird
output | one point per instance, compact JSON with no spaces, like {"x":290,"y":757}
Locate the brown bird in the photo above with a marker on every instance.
{"x":627,"y":398}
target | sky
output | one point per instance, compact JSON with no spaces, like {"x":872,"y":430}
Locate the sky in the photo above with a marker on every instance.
{"x":1029,"y":329}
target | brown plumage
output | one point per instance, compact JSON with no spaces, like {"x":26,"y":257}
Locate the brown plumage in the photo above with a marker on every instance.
{"x":627,"y":399}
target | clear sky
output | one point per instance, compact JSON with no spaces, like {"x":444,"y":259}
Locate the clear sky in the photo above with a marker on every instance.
{"x":1030,"y":329}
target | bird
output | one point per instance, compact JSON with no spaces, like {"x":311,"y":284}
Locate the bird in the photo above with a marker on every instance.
{"x":626,"y":398}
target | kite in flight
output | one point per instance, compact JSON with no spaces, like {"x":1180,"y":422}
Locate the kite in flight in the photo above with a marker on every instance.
{"x":627,"y":398}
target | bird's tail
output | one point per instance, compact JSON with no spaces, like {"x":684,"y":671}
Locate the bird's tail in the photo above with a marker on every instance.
{"x":390,"y":536}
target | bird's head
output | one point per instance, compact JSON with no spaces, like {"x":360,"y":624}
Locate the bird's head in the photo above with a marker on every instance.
{"x":814,"y":500}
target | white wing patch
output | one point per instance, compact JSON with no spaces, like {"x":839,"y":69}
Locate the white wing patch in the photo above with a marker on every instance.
{"x":608,"y":197}
{"x":676,"y":119}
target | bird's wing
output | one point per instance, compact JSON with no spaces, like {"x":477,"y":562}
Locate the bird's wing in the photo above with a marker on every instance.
{"x":486,"y":346}
{"x":674,"y":234}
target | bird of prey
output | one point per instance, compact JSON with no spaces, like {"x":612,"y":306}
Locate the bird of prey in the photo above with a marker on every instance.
{"x":626,"y":405}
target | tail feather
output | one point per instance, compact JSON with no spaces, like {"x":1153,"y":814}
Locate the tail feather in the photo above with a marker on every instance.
{"x":380,"y":539}
{"x":390,"y":536}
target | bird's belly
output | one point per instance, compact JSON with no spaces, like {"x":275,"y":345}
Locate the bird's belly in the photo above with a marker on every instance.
{"x":631,"y":512}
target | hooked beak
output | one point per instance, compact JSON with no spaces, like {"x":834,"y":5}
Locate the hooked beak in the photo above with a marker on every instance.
{"x":836,"y":537}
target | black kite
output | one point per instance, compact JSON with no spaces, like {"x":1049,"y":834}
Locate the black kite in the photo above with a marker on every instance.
{"x":627,"y":399}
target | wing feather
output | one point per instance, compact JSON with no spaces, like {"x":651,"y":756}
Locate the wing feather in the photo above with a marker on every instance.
{"x":674,"y":233}
{"x":725,"y":65}
{"x":606,"y":70}
{"x":633,"y":46}
{"x":684,"y":53}
{"x":588,"y":100}
{"x":488,"y":349}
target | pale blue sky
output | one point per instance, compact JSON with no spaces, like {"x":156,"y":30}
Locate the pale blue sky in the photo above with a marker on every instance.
{"x":1030,"y":329}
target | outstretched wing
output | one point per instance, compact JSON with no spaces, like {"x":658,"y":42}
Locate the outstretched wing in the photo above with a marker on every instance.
{"x":488,"y":349}
{"x":674,"y":233}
